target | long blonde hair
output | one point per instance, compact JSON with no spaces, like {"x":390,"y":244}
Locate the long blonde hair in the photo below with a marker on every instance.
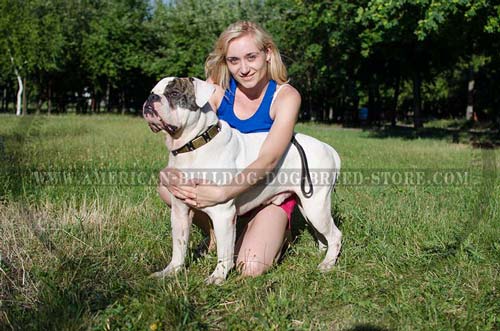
{"x":216,"y":67}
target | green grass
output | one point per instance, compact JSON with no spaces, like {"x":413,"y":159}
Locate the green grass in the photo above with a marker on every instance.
{"x":77,"y":257}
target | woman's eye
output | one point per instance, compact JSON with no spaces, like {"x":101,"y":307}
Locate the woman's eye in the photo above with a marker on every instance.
{"x":233,"y":61}
{"x":251,"y":57}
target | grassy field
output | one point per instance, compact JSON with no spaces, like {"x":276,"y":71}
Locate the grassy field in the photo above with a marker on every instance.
{"x":76,"y":250}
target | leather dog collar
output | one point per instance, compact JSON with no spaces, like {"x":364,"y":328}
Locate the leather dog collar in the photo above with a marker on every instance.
{"x":199,"y":140}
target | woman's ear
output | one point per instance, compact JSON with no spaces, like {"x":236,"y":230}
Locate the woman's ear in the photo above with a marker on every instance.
{"x":268,"y":55}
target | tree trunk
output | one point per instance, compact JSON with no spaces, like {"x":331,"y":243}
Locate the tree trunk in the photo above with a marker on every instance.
{"x":469,"y":112}
{"x":371,"y":101}
{"x":20,"y":90}
{"x":309,"y":101}
{"x":39,"y":101}
{"x":49,"y":98}
{"x":350,"y":102}
{"x":39,"y":104}
{"x":417,"y":102}
{"x":122,"y":101}
{"x":5,"y":101}
{"x":19,"y":93}
{"x":395,"y":102}
{"x":25,"y":103}
{"x":108,"y":97}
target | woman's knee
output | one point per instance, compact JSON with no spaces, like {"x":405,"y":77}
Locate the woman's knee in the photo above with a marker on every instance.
{"x":261,"y":242}
{"x":252,"y":268}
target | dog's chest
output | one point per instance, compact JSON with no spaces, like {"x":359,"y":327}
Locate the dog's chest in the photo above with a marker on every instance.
{"x":222,"y":158}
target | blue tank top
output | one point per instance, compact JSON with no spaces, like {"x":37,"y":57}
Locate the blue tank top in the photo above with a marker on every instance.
{"x":261,"y":121}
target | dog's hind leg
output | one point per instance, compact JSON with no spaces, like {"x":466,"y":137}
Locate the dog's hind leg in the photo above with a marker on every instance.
{"x":224,"y":222}
{"x":318,"y":214}
{"x":322,"y":244}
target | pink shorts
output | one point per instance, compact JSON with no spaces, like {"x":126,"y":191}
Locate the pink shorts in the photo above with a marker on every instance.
{"x":288,"y":206}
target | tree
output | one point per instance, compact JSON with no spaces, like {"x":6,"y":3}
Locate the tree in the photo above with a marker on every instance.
{"x":35,"y":42}
{"x":113,"y":47}
{"x":17,"y":25}
{"x":429,"y":30}
{"x":183,"y":38}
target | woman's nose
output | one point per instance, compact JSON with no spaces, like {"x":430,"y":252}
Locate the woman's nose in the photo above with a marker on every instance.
{"x":244,"y":68}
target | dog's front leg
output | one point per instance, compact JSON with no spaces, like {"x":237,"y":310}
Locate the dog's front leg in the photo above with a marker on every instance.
{"x":224,"y":222}
{"x":180,"y":219}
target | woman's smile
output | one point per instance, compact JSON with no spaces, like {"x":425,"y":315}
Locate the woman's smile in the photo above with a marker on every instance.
{"x":246,"y":61}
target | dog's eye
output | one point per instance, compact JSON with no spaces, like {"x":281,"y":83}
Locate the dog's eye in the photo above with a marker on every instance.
{"x":174,"y":94}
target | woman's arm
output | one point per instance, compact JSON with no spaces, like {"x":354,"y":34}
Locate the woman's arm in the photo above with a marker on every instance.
{"x":287,"y":107}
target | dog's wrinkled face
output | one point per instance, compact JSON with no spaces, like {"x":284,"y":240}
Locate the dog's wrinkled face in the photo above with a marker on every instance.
{"x":173,"y":101}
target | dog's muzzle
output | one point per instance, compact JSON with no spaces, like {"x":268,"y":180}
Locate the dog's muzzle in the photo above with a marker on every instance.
{"x":148,"y":110}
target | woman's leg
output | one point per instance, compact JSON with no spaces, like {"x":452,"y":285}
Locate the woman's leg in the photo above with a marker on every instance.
{"x":261,"y":240}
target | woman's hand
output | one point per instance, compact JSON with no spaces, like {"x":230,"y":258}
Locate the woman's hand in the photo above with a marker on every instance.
{"x":195,"y":192}
{"x":173,"y":179}
{"x":204,"y":193}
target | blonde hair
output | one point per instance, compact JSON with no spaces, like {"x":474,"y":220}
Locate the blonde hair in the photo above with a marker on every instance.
{"x":216,"y":67}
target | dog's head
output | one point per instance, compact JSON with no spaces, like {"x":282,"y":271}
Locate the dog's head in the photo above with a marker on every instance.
{"x":175,"y":103}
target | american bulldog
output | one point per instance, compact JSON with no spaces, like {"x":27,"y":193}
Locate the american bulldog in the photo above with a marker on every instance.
{"x":198,"y":140}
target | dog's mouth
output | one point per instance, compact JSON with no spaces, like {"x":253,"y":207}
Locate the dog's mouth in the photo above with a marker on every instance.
{"x":171,"y":129}
{"x":149,"y":111}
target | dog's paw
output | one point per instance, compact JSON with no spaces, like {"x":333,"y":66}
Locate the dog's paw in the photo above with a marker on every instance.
{"x":214,"y":280}
{"x":326,"y":266}
{"x":168,"y":271}
{"x":158,"y":275}
{"x":331,"y":256}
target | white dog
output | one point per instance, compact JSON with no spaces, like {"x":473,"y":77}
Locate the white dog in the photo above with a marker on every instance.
{"x":198,"y":140}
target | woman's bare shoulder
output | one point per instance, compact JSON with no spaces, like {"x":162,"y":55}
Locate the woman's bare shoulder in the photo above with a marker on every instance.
{"x":287,"y":98}
{"x":287,"y":92}
{"x":216,"y":98}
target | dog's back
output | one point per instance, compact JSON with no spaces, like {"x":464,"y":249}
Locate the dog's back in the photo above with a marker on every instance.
{"x":323,"y":166}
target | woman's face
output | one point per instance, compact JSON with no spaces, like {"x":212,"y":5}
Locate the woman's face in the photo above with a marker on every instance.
{"x":246,"y":62}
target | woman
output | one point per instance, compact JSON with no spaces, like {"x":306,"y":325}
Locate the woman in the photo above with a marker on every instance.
{"x":252,"y":95}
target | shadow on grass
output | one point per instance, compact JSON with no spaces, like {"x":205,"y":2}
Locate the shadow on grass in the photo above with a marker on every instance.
{"x":87,"y":287}
{"x":15,"y":153}
{"x":366,"y":327}
{"x":487,"y":138}
{"x":12,"y":147}
{"x":72,"y":284}
{"x":77,"y":286}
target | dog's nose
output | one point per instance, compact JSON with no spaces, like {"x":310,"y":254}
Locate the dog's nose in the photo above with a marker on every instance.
{"x":153,"y":98}
{"x":148,"y":108}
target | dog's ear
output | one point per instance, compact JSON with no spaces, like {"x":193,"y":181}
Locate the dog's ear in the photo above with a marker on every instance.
{"x":203,"y":91}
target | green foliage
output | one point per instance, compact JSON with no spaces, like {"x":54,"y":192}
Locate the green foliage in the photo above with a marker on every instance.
{"x":183,"y":36}
{"x":113,"y":45}
{"x":19,"y":34}
{"x":338,"y":53}
{"x":34,"y":32}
